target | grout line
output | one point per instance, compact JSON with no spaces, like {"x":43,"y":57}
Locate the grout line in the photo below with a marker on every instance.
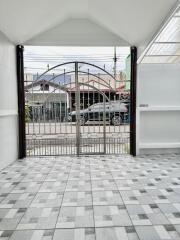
{"x":62,"y":198}
{"x":92,"y":200}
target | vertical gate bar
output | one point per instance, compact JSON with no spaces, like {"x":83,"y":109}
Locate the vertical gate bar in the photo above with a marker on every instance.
{"x":119,"y":99}
{"x":54,"y":115}
{"x":83,"y":103}
{"x":104,"y":123}
{"x":34,"y":146}
{"x":94,"y":118}
{"x":120,"y":128}
{"x":70,"y":110}
{"x":39,"y":148}
{"x":60,"y":123}
{"x":33,"y":113}
{"x":59,"y":111}
{"x":57,"y":149}
{"x":65,"y":108}
{"x":21,"y":101}
{"x":124,"y":127}
{"x":26,"y":124}
{"x":109,"y":123}
{"x":39,"y":119}
{"x":77,"y":96}
{"x":49,"y":111}
{"x":133,"y":101}
{"x":88,"y":101}
{"x":58,"y":108}
{"x":49,"y":147}
{"x":99,"y":100}
{"x":44,"y":108}
{"x":71,"y":106}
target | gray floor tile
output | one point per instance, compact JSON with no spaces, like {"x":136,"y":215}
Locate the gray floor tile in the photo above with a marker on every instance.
{"x":111,"y":197}
{"x":75,"y":217}
{"x":77,"y":199}
{"x":75,"y":234}
{"x":91,"y":197}
{"x":116,"y":233}
{"x":32,"y":235}
{"x":106,"y":216}
{"x":39,"y":218}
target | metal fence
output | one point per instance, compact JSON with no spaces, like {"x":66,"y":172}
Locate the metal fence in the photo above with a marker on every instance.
{"x":77,"y":108}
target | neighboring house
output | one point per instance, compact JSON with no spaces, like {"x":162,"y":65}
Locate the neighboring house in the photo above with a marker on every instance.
{"x":52,"y":97}
{"x":103,"y":83}
{"x":47,"y":101}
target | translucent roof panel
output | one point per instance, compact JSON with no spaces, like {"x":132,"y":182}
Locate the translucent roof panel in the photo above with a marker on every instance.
{"x":171,"y":32}
{"x":161,"y":59}
{"x":165,"y":48}
{"x":177,"y":13}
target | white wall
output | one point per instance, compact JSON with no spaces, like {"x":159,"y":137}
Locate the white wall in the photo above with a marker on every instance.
{"x":8,"y":103}
{"x":158,"y":108}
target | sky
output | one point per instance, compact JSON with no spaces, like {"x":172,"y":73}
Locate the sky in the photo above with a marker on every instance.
{"x":37,"y":58}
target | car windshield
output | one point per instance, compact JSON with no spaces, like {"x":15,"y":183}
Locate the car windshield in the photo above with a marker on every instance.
{"x":98,"y":105}
{"x":109,"y":104}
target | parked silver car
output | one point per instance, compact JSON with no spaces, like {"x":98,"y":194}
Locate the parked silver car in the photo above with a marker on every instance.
{"x":114,"y":111}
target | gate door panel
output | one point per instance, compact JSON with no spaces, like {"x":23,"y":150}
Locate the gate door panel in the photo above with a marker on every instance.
{"x":76,"y":108}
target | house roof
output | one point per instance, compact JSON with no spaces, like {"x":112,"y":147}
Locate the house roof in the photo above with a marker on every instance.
{"x":39,"y":82}
{"x":83,"y":22}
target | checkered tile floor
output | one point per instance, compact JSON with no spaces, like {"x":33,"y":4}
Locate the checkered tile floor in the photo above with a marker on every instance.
{"x":91,"y":198}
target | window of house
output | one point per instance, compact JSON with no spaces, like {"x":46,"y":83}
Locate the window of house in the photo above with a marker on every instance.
{"x":44,"y":87}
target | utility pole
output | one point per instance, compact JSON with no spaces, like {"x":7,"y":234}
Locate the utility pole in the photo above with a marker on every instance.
{"x":115,"y":62}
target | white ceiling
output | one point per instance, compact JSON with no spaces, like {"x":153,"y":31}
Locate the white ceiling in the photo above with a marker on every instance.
{"x":77,"y":32}
{"x":132,"y":22}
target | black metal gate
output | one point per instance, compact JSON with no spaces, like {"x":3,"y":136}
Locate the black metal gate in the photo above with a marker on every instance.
{"x":77,"y":108}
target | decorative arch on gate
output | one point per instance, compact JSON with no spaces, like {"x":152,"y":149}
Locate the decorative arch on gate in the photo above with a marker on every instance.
{"x":86,"y":71}
{"x":64,"y":87}
{"x":76,"y":62}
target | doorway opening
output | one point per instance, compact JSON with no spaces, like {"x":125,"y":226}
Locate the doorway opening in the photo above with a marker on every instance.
{"x":77,"y":104}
